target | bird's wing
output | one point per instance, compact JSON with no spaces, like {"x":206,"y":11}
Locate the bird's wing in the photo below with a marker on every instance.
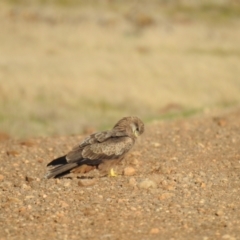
{"x":112,"y":148}
{"x":100,"y":137}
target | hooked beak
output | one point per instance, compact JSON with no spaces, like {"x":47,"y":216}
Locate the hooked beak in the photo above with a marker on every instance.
{"x":136,"y":133}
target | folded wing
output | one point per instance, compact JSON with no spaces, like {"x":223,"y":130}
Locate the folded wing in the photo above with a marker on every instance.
{"x":111,"y":148}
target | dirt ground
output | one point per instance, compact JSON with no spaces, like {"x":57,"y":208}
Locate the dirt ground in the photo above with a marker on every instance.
{"x":185,"y":186}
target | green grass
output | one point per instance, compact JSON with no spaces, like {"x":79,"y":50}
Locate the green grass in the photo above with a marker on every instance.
{"x":219,"y":52}
{"x":181,"y":114}
{"x":200,"y":10}
{"x":210,"y":11}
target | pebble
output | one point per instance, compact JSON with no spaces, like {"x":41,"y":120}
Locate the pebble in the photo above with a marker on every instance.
{"x":135,"y":162}
{"x":29,"y":197}
{"x":29,"y":179}
{"x":86,"y":182}
{"x":219,"y":213}
{"x":129,"y":171}
{"x":156,"y":144}
{"x":25,"y":186}
{"x":136,"y":153}
{"x":226,"y":236}
{"x":64,"y":204}
{"x":165,"y":196}
{"x":67,"y":184}
{"x":1,"y":177}
{"x":132,"y":181}
{"x":145,"y":184}
{"x":22,"y":210}
{"x":154,"y":231}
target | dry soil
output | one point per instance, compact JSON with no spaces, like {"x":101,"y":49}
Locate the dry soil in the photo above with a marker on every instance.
{"x":185,"y":186}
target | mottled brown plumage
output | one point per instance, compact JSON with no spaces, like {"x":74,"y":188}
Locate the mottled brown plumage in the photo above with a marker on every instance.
{"x":107,"y":147}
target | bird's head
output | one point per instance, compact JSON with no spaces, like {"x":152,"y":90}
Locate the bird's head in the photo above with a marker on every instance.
{"x":132,"y":126}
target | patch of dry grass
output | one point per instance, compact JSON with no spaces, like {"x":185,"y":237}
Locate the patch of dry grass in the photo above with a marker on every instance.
{"x":62,"y":71}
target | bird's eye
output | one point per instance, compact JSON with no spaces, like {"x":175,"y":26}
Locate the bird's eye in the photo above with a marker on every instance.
{"x":137,"y":129}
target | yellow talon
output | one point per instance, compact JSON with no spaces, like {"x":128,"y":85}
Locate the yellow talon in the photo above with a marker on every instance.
{"x":112,"y":173}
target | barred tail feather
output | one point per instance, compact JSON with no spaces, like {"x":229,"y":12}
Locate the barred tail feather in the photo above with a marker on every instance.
{"x":60,"y":169}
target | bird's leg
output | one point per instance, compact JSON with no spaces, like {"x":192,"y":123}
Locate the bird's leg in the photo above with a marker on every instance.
{"x":112,"y":173}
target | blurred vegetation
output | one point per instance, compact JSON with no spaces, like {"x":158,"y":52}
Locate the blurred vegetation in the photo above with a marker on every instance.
{"x":207,"y":10}
{"x":71,"y":65}
{"x":224,"y":8}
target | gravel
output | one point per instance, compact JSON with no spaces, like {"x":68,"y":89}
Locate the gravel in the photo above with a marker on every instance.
{"x":186,"y":185}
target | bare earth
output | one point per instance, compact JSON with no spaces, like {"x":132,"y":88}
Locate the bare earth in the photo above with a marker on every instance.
{"x":186,"y":186}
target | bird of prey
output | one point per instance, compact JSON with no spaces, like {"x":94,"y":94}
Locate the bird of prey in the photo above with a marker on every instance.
{"x":99,"y":149}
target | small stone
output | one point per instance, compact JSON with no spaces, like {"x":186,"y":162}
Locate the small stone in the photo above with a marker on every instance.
{"x":1,"y":177}
{"x":29,"y":179}
{"x":57,"y":181}
{"x":24,"y":186}
{"x":135,"y":162}
{"x":136,"y":153}
{"x":22,"y":210}
{"x":219,"y":213}
{"x":145,"y":184}
{"x":220,"y":121}
{"x":67,"y":184}
{"x":170,"y":187}
{"x":132,"y":181}
{"x":86,"y":182}
{"x":64,"y":204}
{"x":129,"y":171}
{"x":27,"y":143}
{"x":226,"y":236}
{"x":154,"y":231}
{"x":12,"y":153}
{"x":203,"y":174}
{"x":155,"y":144}
{"x":29,"y":197}
{"x":88,"y":212}
{"x":165,"y":196}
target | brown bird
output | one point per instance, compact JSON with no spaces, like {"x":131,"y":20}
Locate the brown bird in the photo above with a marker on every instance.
{"x":100,"y":149}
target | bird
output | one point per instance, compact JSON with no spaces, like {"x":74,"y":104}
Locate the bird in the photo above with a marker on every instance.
{"x":99,"y":150}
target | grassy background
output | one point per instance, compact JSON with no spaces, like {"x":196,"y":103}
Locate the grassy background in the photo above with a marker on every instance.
{"x":67,"y":66}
